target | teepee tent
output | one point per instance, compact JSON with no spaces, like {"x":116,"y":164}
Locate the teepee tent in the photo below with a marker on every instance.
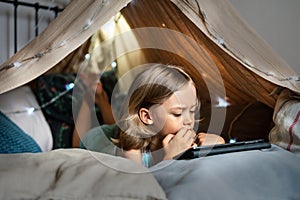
{"x":249,"y":68}
{"x":226,"y":58}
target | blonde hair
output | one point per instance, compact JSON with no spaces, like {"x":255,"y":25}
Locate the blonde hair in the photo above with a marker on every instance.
{"x":152,"y":86}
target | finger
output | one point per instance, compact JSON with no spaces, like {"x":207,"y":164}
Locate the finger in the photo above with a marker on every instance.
{"x":181,"y":132}
{"x":200,"y":138}
{"x":167,"y":139}
{"x":190,"y":134}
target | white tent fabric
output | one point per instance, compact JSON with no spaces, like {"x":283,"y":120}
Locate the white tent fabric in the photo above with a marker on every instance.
{"x":83,"y":18}
{"x":78,"y":21}
{"x":222,"y":24}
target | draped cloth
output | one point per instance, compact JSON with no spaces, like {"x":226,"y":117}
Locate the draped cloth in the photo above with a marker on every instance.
{"x":78,"y":21}
{"x":248,"y":65}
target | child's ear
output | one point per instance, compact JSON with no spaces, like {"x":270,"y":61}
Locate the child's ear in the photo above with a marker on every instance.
{"x":145,"y":116}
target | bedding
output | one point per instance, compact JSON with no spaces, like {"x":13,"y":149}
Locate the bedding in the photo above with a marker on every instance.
{"x":249,"y":175}
{"x":33,"y":124}
{"x":286,"y":132}
{"x":75,"y":174}
{"x":13,"y":139}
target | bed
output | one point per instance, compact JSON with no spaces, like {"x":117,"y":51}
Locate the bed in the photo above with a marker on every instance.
{"x":33,"y":169}
{"x":45,"y":168}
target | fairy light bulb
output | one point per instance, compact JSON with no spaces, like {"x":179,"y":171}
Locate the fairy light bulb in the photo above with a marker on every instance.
{"x":30,"y":110}
{"x":69,"y":86}
{"x":232,"y":140}
{"x":87,"y":56}
{"x":17,"y":64}
{"x":114,"y":64}
{"x":222,"y":102}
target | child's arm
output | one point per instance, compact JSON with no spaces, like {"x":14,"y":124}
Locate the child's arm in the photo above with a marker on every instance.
{"x":82,"y":124}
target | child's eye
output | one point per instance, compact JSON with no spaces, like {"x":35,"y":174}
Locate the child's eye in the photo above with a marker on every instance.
{"x":177,"y":114}
{"x":192,"y":111}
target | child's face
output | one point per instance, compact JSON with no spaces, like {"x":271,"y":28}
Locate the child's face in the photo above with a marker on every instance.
{"x":176,"y":112}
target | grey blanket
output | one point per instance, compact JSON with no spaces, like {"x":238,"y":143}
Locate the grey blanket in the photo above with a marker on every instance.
{"x":74,"y":174}
{"x":272,"y":174}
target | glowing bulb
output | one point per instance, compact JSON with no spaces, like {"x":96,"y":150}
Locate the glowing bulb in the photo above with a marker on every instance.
{"x":114,"y":64}
{"x":222,"y":102}
{"x":296,"y":78}
{"x":87,"y":56}
{"x":30,"y":110}
{"x":69,"y":86}
{"x":17,"y":64}
{"x":233,"y":140}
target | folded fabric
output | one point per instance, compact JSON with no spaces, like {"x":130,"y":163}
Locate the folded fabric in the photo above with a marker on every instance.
{"x":75,"y":174}
{"x":15,"y":104}
{"x":286,"y":132}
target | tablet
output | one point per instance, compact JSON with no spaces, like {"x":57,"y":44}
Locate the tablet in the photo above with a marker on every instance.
{"x":202,"y":151}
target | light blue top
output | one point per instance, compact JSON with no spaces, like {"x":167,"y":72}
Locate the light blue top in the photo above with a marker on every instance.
{"x":99,"y":139}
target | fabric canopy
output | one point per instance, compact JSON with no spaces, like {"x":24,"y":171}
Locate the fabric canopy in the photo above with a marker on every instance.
{"x":78,"y":21}
{"x":249,"y":68}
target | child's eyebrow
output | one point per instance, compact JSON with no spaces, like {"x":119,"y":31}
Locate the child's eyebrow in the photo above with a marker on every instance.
{"x":183,"y":106}
{"x":195,"y":105}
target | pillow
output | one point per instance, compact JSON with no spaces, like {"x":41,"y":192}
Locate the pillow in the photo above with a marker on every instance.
{"x":286,"y":132}
{"x":13,"y":139}
{"x":33,"y":124}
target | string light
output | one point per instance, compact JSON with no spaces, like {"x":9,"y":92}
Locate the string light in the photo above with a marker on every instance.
{"x":220,"y":41}
{"x":222,"y":103}
{"x":61,"y":44}
{"x":69,"y":86}
{"x":114,"y":64}
{"x":30,"y":110}
{"x":87,"y":56}
{"x":232,"y":140}
{"x":38,"y":55}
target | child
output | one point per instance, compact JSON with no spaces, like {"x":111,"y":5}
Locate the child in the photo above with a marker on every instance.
{"x":158,"y":117}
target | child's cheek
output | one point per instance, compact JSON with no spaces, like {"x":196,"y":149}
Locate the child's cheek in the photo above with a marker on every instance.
{"x":172,"y":126}
{"x":158,"y":116}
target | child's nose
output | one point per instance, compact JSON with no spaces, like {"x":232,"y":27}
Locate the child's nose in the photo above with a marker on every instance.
{"x":188,"y":120}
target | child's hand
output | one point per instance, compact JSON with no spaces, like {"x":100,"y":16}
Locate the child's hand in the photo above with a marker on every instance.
{"x":90,"y":80}
{"x":204,"y":139}
{"x":94,"y":86}
{"x":176,"y":144}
